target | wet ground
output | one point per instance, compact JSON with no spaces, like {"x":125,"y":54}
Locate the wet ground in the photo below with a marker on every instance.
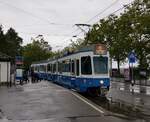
{"x":136,"y":97}
{"x":48,"y":102}
{"x":143,"y":82}
{"x":122,"y":98}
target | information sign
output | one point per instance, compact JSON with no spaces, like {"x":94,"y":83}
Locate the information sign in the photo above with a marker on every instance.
{"x":132,"y":57}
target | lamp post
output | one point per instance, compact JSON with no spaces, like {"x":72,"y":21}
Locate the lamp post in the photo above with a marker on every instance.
{"x":148,"y":59}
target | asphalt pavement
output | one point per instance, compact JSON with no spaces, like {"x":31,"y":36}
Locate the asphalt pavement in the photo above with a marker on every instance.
{"x":48,"y":102}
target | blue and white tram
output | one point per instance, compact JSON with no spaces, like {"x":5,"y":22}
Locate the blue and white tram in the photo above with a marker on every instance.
{"x":84,"y":70}
{"x":40,"y":69}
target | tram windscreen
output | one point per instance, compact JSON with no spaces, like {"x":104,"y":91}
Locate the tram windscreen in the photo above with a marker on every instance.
{"x":100,"y":65}
{"x":86,"y":68}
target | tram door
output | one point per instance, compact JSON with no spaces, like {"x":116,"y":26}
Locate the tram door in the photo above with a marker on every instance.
{"x":75,"y":72}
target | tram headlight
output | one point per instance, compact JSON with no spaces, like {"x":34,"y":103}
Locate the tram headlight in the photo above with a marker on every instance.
{"x":101,"y":82}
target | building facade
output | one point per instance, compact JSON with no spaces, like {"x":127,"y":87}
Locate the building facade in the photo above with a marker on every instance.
{"x":5,"y":67}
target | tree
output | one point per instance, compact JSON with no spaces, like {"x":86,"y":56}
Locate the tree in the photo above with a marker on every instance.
{"x":35,"y":52}
{"x":124,"y":33}
{"x":110,"y":32}
{"x":2,"y":40}
{"x":139,"y":14}
{"x":10,"y":43}
{"x":76,"y":45}
{"x":13,"y":43}
{"x":121,"y":43}
{"x":43,"y":43}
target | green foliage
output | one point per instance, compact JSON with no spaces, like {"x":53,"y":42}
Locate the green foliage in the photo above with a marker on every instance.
{"x":140,"y":17}
{"x":2,"y":40}
{"x":35,"y":52}
{"x":10,"y":43}
{"x":76,"y":45}
{"x":13,"y":43}
{"x":126,"y":32}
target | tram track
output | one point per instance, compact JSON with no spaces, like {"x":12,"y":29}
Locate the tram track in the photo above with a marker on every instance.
{"x":2,"y":115}
{"x":119,"y":108}
{"x":100,"y":109}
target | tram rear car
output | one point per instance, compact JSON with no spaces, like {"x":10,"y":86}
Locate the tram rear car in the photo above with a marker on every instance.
{"x":85,"y":71}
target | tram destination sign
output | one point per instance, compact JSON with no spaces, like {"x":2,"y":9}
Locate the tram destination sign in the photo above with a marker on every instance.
{"x":100,"y":49}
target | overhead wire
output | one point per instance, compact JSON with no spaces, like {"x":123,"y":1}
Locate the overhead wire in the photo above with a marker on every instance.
{"x":63,"y":35}
{"x":31,"y":14}
{"x":127,"y":5}
{"x":101,"y":12}
{"x":49,"y":23}
{"x":52,"y":23}
{"x":37,"y":17}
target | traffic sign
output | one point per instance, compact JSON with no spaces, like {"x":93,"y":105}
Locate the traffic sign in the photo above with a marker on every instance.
{"x":132,"y":57}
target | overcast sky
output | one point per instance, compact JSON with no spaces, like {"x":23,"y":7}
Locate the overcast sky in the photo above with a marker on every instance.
{"x":54,"y":19}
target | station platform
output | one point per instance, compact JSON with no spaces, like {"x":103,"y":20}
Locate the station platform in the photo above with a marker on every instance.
{"x":48,"y":102}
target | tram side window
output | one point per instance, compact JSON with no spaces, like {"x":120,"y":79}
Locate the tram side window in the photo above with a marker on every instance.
{"x":72,"y":67}
{"x":43,"y":68}
{"x":49,"y":68}
{"x":63,"y":66}
{"x":77,"y":67}
{"x":54,"y":68}
{"x":86,"y":68}
{"x":36,"y":68}
{"x":66,"y":66}
{"x":40,"y":68}
{"x":60,"y":67}
{"x":32,"y":68}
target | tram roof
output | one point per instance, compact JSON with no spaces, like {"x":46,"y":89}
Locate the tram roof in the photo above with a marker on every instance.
{"x":39,"y":62}
{"x":88,"y":48}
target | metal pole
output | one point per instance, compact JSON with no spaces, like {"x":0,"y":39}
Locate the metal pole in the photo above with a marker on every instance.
{"x":129,"y":72}
{"x":132,"y":81}
{"x":8,"y":84}
{"x":111,"y":67}
{"x":0,"y":74}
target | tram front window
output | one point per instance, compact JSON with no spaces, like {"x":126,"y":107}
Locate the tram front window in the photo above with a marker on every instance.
{"x":100,"y":65}
{"x":86,"y":68}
